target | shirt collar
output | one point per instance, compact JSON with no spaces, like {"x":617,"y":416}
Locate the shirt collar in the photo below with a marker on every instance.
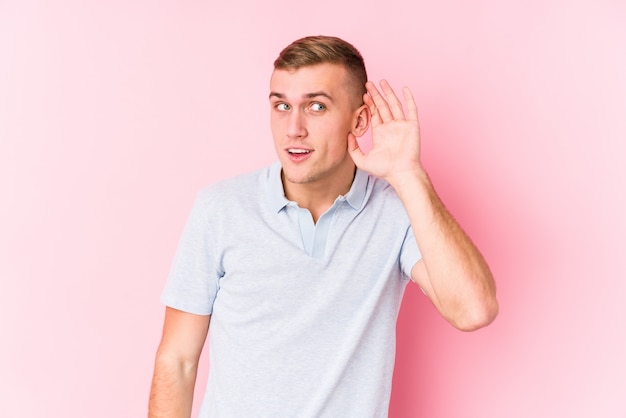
{"x":355,"y":196}
{"x":275,"y":190}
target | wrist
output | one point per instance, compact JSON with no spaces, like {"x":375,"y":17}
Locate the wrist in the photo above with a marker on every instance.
{"x":410,"y":181}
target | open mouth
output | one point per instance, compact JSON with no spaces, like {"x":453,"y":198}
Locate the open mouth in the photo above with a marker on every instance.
{"x":298,"y":151}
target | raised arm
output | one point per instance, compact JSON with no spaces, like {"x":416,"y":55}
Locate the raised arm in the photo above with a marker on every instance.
{"x":176,"y":364}
{"x":452,"y":272}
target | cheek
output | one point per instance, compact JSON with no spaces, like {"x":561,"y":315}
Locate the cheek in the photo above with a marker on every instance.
{"x":276,"y":125}
{"x":338,"y":127}
{"x":277,"y":137}
{"x":340,"y":132}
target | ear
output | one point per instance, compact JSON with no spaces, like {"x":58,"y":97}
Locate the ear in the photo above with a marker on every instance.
{"x":361,"y":122}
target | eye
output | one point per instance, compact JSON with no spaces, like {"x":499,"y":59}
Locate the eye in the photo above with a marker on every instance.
{"x":318,"y":107}
{"x":282,"y":107}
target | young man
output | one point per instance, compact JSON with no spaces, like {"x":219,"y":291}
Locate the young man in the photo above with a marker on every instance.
{"x":300,"y":268}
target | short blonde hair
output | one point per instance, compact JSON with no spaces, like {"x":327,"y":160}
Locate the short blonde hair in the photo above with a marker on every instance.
{"x":314,"y":50}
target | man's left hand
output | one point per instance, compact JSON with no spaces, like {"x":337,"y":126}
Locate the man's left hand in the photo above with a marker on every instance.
{"x":395,"y":136}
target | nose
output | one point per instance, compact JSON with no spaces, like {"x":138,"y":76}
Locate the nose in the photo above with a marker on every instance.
{"x":296,"y":126}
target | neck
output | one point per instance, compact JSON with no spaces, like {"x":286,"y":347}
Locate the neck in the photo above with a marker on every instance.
{"x":317,"y":196}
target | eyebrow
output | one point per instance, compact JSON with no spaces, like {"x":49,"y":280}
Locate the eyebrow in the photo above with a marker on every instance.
{"x":306,"y":95}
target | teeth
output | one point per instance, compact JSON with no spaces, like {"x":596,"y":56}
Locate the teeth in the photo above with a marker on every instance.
{"x":298,"y":151}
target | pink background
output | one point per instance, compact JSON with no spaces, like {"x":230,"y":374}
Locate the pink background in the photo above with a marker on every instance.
{"x":113,"y":114}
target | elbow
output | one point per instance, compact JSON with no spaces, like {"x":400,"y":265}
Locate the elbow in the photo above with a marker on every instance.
{"x":480,"y":307}
{"x":477,"y":317}
{"x":175,"y":363}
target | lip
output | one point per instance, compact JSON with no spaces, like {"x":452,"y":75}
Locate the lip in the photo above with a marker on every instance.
{"x":298,"y":157}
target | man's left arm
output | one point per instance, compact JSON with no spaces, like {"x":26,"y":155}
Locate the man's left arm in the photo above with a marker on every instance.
{"x":452,"y":272}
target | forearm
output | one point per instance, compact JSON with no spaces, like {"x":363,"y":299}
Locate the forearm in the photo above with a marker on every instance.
{"x":454,"y":274}
{"x":171,"y":395}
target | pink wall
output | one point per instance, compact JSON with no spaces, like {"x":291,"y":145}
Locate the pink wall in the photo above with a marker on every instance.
{"x":112,"y":115}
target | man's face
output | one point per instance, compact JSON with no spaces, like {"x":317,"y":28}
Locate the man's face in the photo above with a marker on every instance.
{"x":312,"y":111}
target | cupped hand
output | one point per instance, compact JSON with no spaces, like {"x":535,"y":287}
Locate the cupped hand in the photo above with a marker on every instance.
{"x":395,"y":135}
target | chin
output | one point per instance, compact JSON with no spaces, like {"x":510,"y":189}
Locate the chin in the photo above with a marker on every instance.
{"x":299,"y":175}
{"x":298,"y":178}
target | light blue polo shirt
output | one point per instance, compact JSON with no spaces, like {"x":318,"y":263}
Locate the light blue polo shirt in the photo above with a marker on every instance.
{"x":303,"y":315}
{"x":314,"y":235}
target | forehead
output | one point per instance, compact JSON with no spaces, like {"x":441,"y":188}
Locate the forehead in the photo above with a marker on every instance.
{"x":329,"y":78}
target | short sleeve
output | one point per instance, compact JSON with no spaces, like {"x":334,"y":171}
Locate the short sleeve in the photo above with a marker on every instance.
{"x":410,"y":253}
{"x":192,"y":283}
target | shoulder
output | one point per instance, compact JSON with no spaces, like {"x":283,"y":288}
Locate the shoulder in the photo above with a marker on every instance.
{"x":225,"y":202}
{"x":243,"y":186}
{"x":383,"y":203}
{"x":381,"y":191}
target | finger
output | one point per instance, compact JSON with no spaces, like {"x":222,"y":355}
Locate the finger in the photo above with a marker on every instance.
{"x":375,"y":115}
{"x":411,"y":107}
{"x":394,"y":103}
{"x":379,"y":101}
{"x":355,"y":150}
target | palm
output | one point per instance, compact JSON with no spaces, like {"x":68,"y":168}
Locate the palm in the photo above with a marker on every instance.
{"x":395,"y":137}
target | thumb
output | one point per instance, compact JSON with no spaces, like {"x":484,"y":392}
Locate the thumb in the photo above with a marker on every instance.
{"x":355,"y":150}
